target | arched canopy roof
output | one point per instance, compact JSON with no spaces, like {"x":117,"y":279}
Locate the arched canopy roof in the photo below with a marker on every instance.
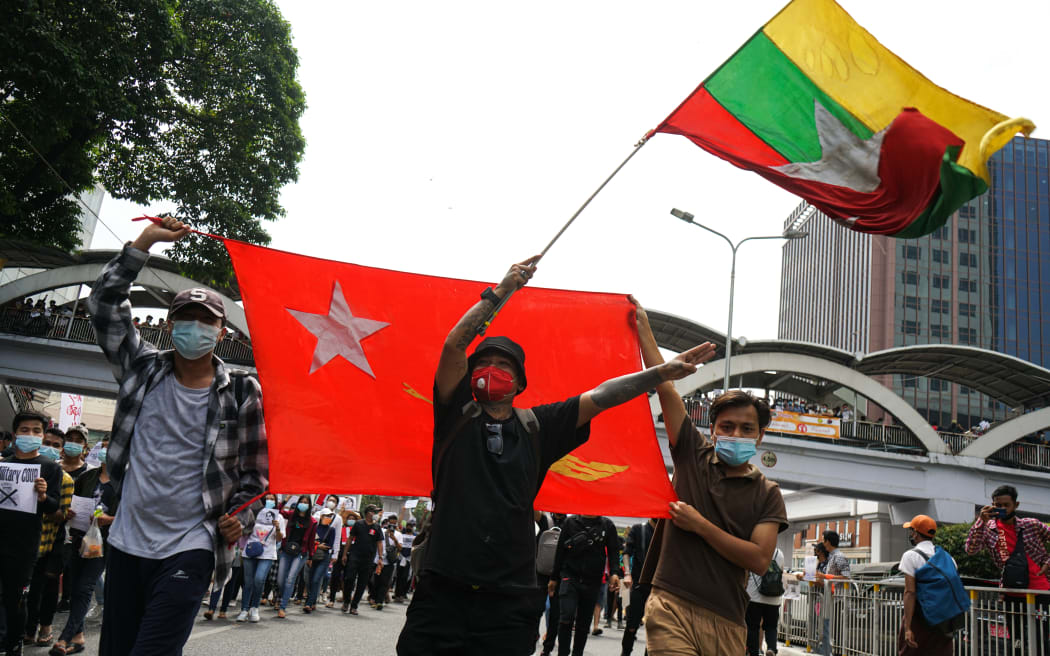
{"x":1005,"y":378}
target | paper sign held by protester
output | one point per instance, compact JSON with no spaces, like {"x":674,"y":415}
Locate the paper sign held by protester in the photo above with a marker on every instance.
{"x":82,"y":508}
{"x":792,"y":587}
{"x":810,"y":569}
{"x":16,"y":487}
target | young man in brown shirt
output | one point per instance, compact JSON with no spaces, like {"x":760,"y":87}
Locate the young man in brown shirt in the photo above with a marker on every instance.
{"x":725,"y":525}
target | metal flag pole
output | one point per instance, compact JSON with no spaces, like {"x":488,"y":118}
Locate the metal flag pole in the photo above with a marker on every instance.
{"x":495,"y":311}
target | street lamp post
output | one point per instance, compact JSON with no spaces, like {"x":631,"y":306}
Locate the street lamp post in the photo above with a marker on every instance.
{"x":787,"y":234}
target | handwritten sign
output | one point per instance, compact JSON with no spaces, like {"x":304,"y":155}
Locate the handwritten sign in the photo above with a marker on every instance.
{"x":16,"y":487}
{"x":82,"y":508}
{"x":72,"y":409}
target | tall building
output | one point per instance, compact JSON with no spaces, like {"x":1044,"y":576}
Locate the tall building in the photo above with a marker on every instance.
{"x":983,"y":279}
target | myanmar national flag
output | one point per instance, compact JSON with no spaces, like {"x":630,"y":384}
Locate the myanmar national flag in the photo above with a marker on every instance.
{"x":816,"y":105}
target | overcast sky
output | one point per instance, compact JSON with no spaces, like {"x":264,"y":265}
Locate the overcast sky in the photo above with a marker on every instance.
{"x":454,"y":138}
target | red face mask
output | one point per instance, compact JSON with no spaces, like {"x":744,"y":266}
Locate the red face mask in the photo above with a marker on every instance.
{"x":492,"y":384}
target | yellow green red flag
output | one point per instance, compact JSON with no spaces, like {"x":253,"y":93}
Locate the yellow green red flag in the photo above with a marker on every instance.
{"x":815,"y":104}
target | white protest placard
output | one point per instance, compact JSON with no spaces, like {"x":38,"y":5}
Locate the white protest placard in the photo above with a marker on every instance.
{"x":16,"y":487}
{"x":82,"y":508}
{"x":809,"y":569}
{"x":411,"y":503}
{"x":71,"y":409}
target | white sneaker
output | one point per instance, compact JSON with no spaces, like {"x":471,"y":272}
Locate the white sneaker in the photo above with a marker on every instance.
{"x":243,"y":616}
{"x":94,"y":612}
{"x":254,"y":617}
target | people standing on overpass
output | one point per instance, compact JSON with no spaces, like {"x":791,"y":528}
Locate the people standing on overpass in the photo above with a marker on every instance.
{"x":477,"y":592}
{"x":188,"y":447}
{"x":21,"y":530}
{"x":725,"y":525}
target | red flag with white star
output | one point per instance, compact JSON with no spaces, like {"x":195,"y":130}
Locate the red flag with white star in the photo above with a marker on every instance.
{"x":346,"y":356}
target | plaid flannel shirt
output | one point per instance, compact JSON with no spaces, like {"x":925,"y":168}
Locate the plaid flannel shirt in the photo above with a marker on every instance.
{"x":49,"y":527}
{"x":237,"y":467}
{"x":838,"y":564}
{"x":984,"y":535}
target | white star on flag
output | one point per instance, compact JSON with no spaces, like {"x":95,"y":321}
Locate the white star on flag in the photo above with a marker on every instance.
{"x":338,"y":333}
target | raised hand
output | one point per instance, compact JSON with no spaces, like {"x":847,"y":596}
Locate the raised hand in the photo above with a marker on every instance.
{"x":686,"y":363}
{"x":518,"y":275}
{"x":169,"y":229}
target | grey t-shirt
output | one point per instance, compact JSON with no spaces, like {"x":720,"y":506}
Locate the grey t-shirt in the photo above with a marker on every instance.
{"x":161,"y":511}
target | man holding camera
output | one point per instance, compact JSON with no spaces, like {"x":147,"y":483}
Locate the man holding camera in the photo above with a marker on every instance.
{"x":1017,"y":545}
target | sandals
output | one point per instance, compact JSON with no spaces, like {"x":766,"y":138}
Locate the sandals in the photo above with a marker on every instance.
{"x":280,"y":613}
{"x":209,"y":614}
{"x":330,"y":604}
{"x":72,"y":648}
{"x":222,"y":616}
{"x":45,"y":641}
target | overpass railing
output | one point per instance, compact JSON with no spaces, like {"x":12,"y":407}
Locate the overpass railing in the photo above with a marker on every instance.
{"x":80,"y":330}
{"x":863,"y":618}
{"x":901,"y":440}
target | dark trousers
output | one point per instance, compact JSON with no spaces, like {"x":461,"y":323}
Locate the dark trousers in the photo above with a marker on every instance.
{"x":761,"y":619}
{"x":16,"y":568}
{"x":228,"y":591}
{"x":151,"y":604}
{"x":635,"y":610}
{"x":356,"y":576}
{"x":43,"y":593}
{"x":401,"y":580}
{"x":337,"y":576}
{"x":382,"y":581}
{"x":447,"y":618}
{"x":578,"y":600}
{"x":83,"y":575}
{"x":553,"y":621}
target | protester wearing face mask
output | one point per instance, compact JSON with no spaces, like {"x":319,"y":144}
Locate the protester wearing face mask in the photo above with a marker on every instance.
{"x":259,"y":555}
{"x":297,"y":546}
{"x":21,"y":530}
{"x":74,"y":450}
{"x":84,"y":572}
{"x":185,"y":428}
{"x":725,"y":525}
{"x":42,"y":600}
{"x":327,"y":538}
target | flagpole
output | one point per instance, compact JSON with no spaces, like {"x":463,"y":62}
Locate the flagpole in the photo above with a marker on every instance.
{"x":638,"y":146}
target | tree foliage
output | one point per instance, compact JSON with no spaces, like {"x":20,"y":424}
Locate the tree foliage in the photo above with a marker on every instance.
{"x":194,"y":102}
{"x":952,"y":538}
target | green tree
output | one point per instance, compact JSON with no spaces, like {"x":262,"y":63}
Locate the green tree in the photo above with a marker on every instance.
{"x":194,"y":102}
{"x":952,"y":538}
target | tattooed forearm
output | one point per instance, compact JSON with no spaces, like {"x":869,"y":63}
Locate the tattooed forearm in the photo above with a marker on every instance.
{"x":623,"y":389}
{"x":467,"y":328}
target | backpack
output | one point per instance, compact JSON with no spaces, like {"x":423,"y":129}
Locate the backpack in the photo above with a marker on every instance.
{"x":772,"y":582}
{"x":545,"y":550}
{"x":942,"y":598}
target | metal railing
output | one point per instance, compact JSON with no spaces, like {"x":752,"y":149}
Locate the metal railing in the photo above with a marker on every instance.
{"x":862,"y":618}
{"x":79,"y":329}
{"x":898,"y":439}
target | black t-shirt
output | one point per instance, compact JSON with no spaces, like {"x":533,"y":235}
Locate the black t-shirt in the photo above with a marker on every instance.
{"x":366,"y":537}
{"x":638,"y":539}
{"x":584,"y":557}
{"x":483,"y":531}
{"x":75,"y":473}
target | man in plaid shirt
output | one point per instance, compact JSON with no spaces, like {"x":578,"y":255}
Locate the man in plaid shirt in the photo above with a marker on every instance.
{"x":188,"y":447}
{"x":996,"y":530}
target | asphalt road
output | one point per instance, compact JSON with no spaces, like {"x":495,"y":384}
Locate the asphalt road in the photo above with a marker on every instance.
{"x":326,"y":631}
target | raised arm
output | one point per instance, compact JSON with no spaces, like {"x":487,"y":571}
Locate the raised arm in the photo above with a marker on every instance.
{"x":109,"y":302}
{"x":658,"y":375}
{"x":453,"y":363}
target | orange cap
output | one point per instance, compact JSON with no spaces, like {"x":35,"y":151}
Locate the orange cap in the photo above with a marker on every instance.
{"x":923,"y":525}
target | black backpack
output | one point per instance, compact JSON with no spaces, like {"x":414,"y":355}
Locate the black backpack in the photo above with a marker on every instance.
{"x":772,"y":582}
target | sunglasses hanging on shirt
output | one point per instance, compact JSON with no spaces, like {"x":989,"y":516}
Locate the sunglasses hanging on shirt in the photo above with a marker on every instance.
{"x":494,"y":443}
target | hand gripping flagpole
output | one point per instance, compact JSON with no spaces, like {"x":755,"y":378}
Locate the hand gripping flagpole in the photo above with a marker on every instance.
{"x":638,"y":146}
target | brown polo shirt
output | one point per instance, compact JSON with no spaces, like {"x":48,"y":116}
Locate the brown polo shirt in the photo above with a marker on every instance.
{"x":682,"y":562}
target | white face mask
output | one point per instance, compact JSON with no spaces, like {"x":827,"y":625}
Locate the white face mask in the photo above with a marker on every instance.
{"x":330,"y":505}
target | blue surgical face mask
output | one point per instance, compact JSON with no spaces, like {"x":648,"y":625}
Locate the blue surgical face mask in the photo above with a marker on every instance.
{"x":194,"y":339}
{"x":28,"y":443}
{"x":735,"y":451}
{"x":102,"y":456}
{"x":303,"y":507}
{"x":270,"y":503}
{"x":73,"y":449}
{"x":50,"y":452}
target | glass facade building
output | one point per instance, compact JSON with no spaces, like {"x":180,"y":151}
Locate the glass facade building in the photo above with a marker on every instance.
{"x":983,"y":280}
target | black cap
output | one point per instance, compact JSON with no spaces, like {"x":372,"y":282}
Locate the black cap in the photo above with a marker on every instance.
{"x":504,"y":345}
{"x":370,"y":508}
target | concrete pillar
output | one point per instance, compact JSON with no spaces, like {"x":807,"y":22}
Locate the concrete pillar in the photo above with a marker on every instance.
{"x":888,"y":540}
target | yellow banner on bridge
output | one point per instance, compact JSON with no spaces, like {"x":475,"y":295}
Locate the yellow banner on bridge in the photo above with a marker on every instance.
{"x":796,"y":423}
